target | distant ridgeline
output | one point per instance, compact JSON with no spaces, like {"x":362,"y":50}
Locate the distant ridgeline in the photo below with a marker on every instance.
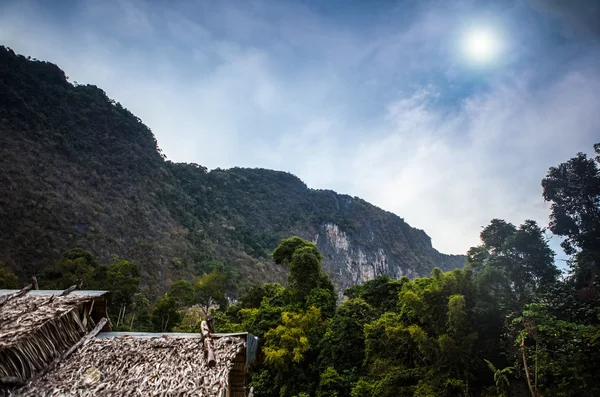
{"x":80,"y":170}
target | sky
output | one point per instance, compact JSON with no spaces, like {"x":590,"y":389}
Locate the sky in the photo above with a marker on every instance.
{"x":384,"y":100}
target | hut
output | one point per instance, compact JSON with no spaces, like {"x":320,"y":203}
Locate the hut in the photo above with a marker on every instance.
{"x":59,"y":343}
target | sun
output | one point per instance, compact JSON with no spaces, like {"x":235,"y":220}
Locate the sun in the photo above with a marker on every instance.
{"x":482,"y":45}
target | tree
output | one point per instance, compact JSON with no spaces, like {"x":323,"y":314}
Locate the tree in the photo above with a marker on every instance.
{"x":381,"y":293}
{"x":289,"y":350}
{"x":8,"y":280}
{"x":166,"y":314}
{"x":254,"y":297}
{"x":307,"y":284}
{"x":76,"y":266}
{"x":141,"y":315}
{"x":332,"y":384}
{"x":428,"y":346}
{"x":183,"y":293}
{"x":559,"y":356}
{"x":522,"y":254}
{"x":122,"y":280}
{"x":210,"y":290}
{"x":342,"y":348}
{"x":191,"y":320}
{"x":501,"y":378}
{"x":287,"y":344}
{"x":573,"y":188}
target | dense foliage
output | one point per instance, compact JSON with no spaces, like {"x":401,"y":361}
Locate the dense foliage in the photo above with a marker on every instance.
{"x":508,"y":324}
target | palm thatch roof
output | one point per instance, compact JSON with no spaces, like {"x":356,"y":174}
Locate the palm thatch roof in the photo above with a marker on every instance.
{"x":51,"y":345}
{"x":128,"y":366}
{"x":38,"y":328}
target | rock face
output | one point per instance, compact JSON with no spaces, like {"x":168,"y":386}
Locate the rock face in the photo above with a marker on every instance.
{"x":79,"y":170}
{"x":361,"y":257}
{"x":356,"y":257}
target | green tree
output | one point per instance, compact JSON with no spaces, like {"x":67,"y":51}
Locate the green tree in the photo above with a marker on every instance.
{"x":210,"y":290}
{"x":289,"y":349}
{"x":307,"y":284}
{"x":191,"y":320}
{"x":342,"y":348}
{"x":77,"y":266}
{"x":332,"y":384}
{"x":291,"y":320}
{"x":141,"y":314}
{"x":428,"y":347}
{"x":560,"y":356}
{"x":122,"y":280}
{"x":166,"y":315}
{"x":381,"y":293}
{"x":501,"y":379}
{"x":183,"y":293}
{"x":8,"y":280}
{"x":573,"y":188}
{"x":521,"y":254}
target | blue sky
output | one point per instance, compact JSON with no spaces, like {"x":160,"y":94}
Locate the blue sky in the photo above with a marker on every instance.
{"x":373,"y":99}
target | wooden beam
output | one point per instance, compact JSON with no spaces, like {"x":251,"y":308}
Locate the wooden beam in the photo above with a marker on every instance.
{"x":208,"y":344}
{"x":68,"y":290}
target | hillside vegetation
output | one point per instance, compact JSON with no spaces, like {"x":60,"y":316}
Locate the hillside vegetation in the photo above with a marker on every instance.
{"x":81,"y":171}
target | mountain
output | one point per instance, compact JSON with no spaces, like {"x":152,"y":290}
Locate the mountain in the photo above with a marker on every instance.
{"x":80,"y":170}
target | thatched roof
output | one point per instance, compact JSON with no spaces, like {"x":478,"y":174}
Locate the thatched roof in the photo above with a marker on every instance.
{"x":37,"y":328}
{"x":127,"y":366}
{"x":50,"y":345}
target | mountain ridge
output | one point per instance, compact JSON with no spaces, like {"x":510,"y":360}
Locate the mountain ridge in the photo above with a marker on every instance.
{"x":81,"y":170}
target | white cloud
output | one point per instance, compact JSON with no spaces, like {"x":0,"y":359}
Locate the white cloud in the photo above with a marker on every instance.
{"x":510,"y":137}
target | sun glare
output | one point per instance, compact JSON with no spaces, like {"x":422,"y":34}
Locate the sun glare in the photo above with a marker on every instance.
{"x":481,"y":46}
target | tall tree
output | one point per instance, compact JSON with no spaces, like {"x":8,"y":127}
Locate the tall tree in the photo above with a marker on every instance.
{"x":522,"y":254}
{"x":573,"y":188}
{"x":122,"y":280}
{"x":308,"y":284}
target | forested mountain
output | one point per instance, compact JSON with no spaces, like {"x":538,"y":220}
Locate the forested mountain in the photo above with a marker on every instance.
{"x":80,"y":170}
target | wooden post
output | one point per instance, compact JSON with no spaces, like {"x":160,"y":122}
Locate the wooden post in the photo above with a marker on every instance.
{"x":208,"y":344}
{"x":68,"y":290}
{"x":34,"y":282}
